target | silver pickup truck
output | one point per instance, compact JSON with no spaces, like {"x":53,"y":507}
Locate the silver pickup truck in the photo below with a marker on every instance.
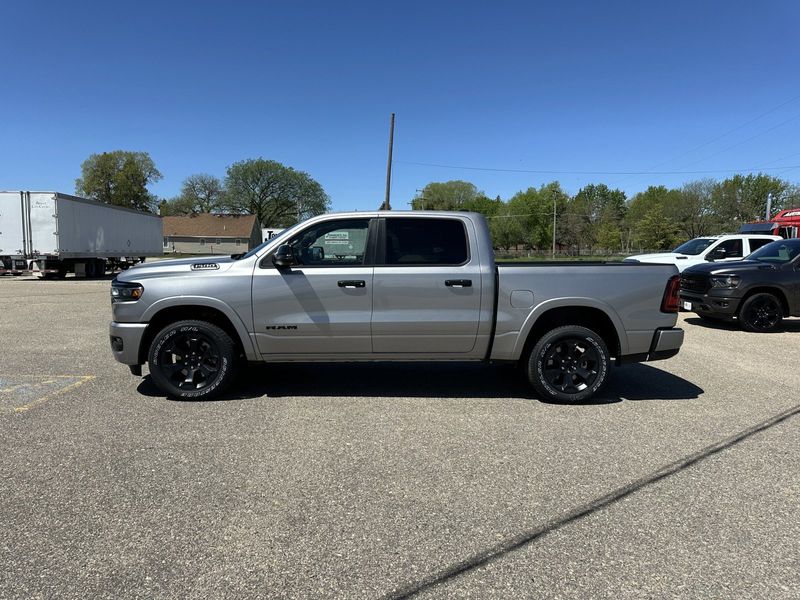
{"x":390,"y":286}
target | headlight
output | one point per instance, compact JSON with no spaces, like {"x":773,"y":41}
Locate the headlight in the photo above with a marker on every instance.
{"x":122,"y":291}
{"x":725,"y":281}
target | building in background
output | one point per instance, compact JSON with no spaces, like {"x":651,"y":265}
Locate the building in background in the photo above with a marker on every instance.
{"x":211,"y":234}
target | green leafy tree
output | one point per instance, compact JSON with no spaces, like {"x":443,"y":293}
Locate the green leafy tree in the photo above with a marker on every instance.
{"x":654,"y":197}
{"x":591,"y":205}
{"x":484,"y":205}
{"x":527,"y":211}
{"x":609,"y":235}
{"x":506,"y":229}
{"x":278,"y":195}
{"x":691,"y":209}
{"x":656,"y":231}
{"x":743,"y":198}
{"x":448,"y":195}
{"x":119,"y":178}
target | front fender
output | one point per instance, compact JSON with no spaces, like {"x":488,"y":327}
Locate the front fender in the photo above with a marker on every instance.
{"x":225,"y":309}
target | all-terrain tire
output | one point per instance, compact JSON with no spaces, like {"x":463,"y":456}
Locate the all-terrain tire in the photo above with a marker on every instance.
{"x":568,"y":364}
{"x":192,"y":360}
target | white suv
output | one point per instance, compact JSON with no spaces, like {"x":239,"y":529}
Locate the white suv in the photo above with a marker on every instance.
{"x":717,"y":248}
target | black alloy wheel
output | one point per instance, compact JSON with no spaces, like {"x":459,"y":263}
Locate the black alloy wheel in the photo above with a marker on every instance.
{"x":568,"y":364}
{"x":761,"y":313}
{"x":192,"y":359}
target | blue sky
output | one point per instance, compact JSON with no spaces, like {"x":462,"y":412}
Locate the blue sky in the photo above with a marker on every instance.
{"x":571,"y":86}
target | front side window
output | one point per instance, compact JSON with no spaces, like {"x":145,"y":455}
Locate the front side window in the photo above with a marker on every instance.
{"x":422,"y":241}
{"x":332,"y":243}
{"x":779,"y":251}
{"x":731,"y":248}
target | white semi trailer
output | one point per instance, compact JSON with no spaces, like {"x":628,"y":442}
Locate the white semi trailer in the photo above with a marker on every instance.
{"x":57,"y":233}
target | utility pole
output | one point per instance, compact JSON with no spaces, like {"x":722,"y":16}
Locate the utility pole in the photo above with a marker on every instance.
{"x":554,"y":226}
{"x":769,"y":206}
{"x":386,"y":205}
{"x":422,"y":198}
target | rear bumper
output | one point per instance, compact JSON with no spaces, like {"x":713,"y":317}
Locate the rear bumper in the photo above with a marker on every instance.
{"x":665,"y":344}
{"x":125,"y":340}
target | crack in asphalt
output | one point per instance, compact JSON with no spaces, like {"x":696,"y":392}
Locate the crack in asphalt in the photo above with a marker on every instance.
{"x":526,"y":538}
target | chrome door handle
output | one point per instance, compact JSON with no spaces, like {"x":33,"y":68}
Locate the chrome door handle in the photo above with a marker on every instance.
{"x":352,"y":283}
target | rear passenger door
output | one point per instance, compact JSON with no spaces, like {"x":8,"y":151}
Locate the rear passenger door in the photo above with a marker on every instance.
{"x":426,"y":287}
{"x":756,"y":243}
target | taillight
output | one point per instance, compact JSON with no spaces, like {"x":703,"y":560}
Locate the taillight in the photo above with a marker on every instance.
{"x":671,"y":301}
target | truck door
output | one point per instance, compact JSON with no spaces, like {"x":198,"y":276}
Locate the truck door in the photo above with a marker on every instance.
{"x":427,"y":290}
{"x":727,"y":251}
{"x":321,"y":305}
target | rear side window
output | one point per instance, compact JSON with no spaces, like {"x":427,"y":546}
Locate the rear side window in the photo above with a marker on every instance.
{"x":420,"y":241}
{"x":755,"y":244}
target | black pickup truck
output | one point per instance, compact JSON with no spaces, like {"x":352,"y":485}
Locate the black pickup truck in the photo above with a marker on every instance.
{"x":758,"y":291}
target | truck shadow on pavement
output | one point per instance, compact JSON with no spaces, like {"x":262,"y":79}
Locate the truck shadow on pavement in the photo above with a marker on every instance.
{"x":787,"y":325}
{"x":432,"y":380}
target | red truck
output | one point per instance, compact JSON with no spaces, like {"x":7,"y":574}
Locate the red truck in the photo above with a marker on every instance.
{"x":785,"y":224}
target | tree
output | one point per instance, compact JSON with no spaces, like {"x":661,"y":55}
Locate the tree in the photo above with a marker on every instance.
{"x":203,"y":192}
{"x":740,"y":198}
{"x":449,"y":195}
{"x":506,"y":229}
{"x":119,"y":178}
{"x":650,"y":204}
{"x":691,"y":208}
{"x":656,"y":231}
{"x":199,"y":194}
{"x":278,"y":195}
{"x":591,"y":205}
{"x":484,"y":205}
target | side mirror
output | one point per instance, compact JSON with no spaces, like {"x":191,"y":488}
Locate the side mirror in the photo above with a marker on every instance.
{"x":716,"y":254}
{"x":284,"y":257}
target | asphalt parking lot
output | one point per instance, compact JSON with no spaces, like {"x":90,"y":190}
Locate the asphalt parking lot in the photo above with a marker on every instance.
{"x":392,"y":481}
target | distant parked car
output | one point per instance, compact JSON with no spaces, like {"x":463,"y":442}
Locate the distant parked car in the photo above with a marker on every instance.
{"x":716,"y":248}
{"x":757,"y":292}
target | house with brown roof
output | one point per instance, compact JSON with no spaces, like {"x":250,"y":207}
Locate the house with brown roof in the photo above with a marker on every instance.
{"x":210,"y":234}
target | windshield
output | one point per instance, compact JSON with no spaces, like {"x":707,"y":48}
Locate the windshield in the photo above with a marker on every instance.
{"x":780,"y":251}
{"x":258,"y":248}
{"x":694,"y":247}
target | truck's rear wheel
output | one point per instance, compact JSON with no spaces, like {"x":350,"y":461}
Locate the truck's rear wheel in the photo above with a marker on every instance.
{"x":568,"y":364}
{"x":192,"y":359}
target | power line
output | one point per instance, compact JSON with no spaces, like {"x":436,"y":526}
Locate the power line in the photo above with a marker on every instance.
{"x":773,"y":128}
{"x":727,"y":133}
{"x":560,"y":172}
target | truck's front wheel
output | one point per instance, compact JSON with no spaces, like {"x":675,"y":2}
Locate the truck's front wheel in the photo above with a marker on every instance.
{"x":192,"y":359}
{"x":568,"y":364}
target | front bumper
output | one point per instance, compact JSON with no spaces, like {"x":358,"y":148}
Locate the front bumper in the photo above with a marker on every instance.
{"x":125,"y":341}
{"x":724,"y":307}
